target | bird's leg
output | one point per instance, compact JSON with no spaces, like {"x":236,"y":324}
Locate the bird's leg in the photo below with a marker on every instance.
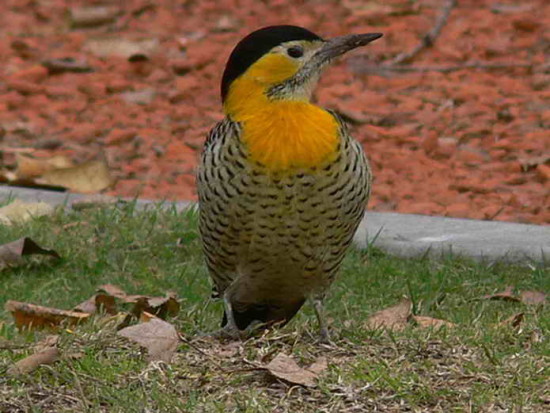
{"x":319,"y":313}
{"x":230,"y":329}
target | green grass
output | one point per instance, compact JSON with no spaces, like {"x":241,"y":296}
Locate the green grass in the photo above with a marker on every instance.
{"x":477,"y":366}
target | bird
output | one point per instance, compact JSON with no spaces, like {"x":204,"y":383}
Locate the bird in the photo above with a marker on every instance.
{"x":282,"y":185}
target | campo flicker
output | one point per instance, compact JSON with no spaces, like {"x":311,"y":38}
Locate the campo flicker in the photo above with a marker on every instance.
{"x":282,"y":185}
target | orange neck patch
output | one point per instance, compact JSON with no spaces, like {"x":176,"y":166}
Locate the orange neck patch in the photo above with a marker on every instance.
{"x":283,"y":135}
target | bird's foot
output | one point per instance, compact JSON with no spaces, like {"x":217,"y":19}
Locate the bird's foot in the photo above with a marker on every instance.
{"x":324,"y":337}
{"x":229,"y":332}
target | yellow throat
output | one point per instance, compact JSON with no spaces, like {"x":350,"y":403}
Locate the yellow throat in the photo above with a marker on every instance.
{"x":282,"y":134}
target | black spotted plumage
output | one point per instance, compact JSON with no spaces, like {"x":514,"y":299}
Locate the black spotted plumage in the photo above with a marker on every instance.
{"x":273,"y":240}
{"x":282,"y":185}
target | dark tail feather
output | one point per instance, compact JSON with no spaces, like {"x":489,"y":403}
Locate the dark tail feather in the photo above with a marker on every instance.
{"x":267,"y":314}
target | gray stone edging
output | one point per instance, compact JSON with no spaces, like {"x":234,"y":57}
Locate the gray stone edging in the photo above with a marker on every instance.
{"x":403,"y":235}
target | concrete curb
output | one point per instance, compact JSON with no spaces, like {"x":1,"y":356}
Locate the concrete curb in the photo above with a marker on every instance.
{"x":403,"y":235}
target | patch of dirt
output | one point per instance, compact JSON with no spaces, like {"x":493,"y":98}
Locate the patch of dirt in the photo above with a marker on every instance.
{"x":138,"y":82}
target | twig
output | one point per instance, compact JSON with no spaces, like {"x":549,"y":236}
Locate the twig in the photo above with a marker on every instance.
{"x":429,"y":38}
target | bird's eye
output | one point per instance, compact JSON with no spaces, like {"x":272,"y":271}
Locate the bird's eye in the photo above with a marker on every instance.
{"x":295,"y":51}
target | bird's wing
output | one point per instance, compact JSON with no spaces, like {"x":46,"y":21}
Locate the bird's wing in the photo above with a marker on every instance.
{"x":217,"y":183}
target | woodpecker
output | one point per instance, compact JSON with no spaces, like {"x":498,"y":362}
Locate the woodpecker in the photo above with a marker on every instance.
{"x":282,"y":185}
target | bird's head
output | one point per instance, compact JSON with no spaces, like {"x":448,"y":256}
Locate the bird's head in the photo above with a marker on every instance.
{"x":281,"y":62}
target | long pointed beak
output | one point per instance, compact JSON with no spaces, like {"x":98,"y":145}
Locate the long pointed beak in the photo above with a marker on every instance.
{"x":339,"y":45}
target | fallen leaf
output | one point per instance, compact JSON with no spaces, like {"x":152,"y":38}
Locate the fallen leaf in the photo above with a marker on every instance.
{"x":140,"y":305}
{"x":392,"y":318}
{"x":227,"y":23}
{"x":20,"y":211}
{"x":92,"y":15}
{"x":284,"y":367}
{"x":139,"y":97}
{"x":429,"y":322}
{"x":36,"y":316}
{"x":113,"y":290}
{"x":91,"y":176}
{"x":145,"y":317}
{"x":31,"y":167}
{"x":117,"y":46}
{"x":513,"y":321}
{"x":73,"y":355}
{"x":319,"y":365}
{"x":8,"y":149}
{"x":93,"y":201}
{"x":506,"y":295}
{"x":532,"y":297}
{"x":228,"y":350}
{"x":32,"y":362}
{"x":50,"y":340}
{"x":161,"y":307}
{"x":66,"y":65}
{"x":157,"y":336}
{"x":12,"y":252}
{"x":96,"y":303}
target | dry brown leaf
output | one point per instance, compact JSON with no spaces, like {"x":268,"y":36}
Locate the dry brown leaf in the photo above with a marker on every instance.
{"x":66,"y":65}
{"x":12,"y":252}
{"x":157,"y":336}
{"x":113,"y":290}
{"x":319,"y":365}
{"x":19,"y":211}
{"x":47,"y":342}
{"x":429,"y":322}
{"x":228,"y":350}
{"x":284,"y":367}
{"x":8,"y":149}
{"x":118,"y":46}
{"x":91,"y":176}
{"x":392,"y":318}
{"x":506,"y":295}
{"x":144,"y":317}
{"x":36,"y":316}
{"x":31,"y":167}
{"x":161,"y":307}
{"x":7,"y":176}
{"x":532,"y":297}
{"x":513,"y":321}
{"x":97,"y":303}
{"x":91,"y":16}
{"x":139,"y":97}
{"x":32,"y":362}
{"x":93,"y":201}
